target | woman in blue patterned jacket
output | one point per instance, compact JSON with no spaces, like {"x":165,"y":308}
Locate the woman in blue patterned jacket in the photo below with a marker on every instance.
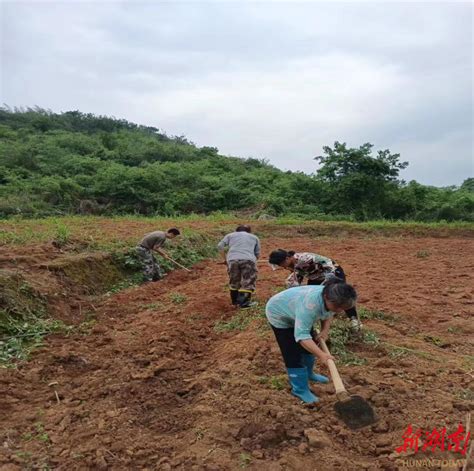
{"x":291,"y":314}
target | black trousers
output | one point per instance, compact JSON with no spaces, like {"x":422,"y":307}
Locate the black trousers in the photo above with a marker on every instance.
{"x":350,"y":313}
{"x":290,"y":349}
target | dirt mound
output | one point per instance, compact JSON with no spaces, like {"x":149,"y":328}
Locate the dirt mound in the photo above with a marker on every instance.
{"x":17,"y":297}
{"x":88,"y":273}
{"x":170,"y":378}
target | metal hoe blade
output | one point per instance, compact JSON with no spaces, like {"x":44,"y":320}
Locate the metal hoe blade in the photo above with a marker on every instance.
{"x":356,"y":412}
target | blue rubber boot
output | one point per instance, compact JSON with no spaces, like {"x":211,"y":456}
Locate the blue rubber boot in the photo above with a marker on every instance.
{"x":299,"y":385}
{"x":308,"y":361}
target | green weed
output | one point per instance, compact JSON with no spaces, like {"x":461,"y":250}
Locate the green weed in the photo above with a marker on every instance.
{"x":194,"y":317}
{"x":24,"y":455}
{"x":133,"y":280}
{"x":371,"y":338}
{"x":377,"y":315}
{"x":18,"y":236}
{"x":18,"y":338}
{"x":27,"y":436}
{"x":465,"y":394}
{"x":468,"y":363}
{"x":278,"y":289}
{"x":423,"y":254}
{"x":38,"y":434}
{"x":397,"y":351}
{"x":439,"y":342}
{"x":41,"y":434}
{"x":178,"y":298}
{"x":241,"y":320}
{"x":455,"y":330}
{"x":277,"y":382}
{"x":62,"y":234}
{"x":244,"y":460}
{"x":341,"y":336}
{"x":86,"y":326}
{"x":151,"y":306}
{"x":199,"y":433}
{"x":127,"y":260}
{"x":237,"y":322}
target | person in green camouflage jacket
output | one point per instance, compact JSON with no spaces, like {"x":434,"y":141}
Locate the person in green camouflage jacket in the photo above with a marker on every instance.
{"x":153,"y":242}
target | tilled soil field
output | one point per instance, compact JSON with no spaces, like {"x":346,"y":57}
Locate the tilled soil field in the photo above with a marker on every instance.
{"x":171,"y":376}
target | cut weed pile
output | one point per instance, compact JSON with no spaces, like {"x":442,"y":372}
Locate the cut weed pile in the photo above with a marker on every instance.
{"x":169,"y":375}
{"x":23,"y":320}
{"x":342,"y":337}
{"x":242,"y":319}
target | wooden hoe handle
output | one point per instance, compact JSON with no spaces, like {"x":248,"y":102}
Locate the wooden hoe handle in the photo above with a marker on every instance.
{"x":178,"y":264}
{"x":336,"y":379}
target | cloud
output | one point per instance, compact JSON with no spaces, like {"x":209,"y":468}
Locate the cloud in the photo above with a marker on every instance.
{"x":276,"y":80}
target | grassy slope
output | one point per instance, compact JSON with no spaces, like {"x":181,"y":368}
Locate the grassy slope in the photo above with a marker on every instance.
{"x":122,"y":231}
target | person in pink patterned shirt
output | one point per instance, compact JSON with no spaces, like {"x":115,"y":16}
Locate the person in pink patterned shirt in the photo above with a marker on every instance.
{"x":317,"y":269}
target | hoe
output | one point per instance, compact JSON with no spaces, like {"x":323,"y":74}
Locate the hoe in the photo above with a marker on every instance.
{"x":354,"y":410}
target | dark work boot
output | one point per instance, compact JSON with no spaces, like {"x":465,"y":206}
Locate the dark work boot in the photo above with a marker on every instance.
{"x":245,"y":300}
{"x":234,"y":297}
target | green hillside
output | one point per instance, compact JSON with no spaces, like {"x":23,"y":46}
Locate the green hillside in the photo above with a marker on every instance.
{"x":76,"y":163}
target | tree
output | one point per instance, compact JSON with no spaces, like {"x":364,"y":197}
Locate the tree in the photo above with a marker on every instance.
{"x":468,"y":185}
{"x":358,"y":181}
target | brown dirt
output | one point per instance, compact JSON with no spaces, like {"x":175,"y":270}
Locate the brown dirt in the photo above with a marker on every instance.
{"x":154,"y":386}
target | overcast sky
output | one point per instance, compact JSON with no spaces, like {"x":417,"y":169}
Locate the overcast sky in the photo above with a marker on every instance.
{"x":275,"y":80}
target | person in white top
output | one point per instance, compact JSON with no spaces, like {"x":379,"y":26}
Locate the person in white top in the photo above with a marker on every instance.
{"x":240,"y":250}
